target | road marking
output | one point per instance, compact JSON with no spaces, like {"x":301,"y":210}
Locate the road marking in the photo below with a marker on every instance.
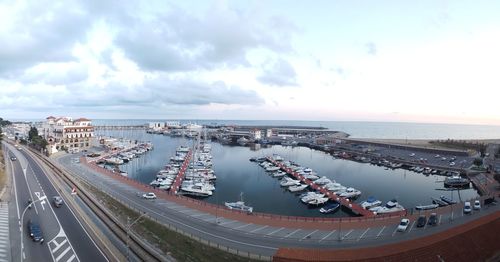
{"x":395,"y":230}
{"x":71,"y":258}
{"x":363,"y":234}
{"x":290,"y":234}
{"x":59,"y":245}
{"x":199,"y":215}
{"x":63,"y":253}
{"x":411,"y":226}
{"x":348,"y":233}
{"x":242,"y":226}
{"x":379,"y":233}
{"x":439,"y":222}
{"x":275,"y":231}
{"x":309,"y":235}
{"x":257,"y":229}
{"x":229,"y":222}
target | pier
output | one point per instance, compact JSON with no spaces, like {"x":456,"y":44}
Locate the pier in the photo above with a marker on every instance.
{"x":354,"y":207}
{"x":180,"y":176}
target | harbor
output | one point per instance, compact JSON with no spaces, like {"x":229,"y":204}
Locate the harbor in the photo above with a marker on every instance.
{"x":236,"y":175}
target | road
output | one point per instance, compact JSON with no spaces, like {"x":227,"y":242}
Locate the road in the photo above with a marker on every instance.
{"x":256,"y":238}
{"x":65,"y":238}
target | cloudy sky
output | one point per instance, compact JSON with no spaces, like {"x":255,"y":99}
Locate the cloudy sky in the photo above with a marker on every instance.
{"x":417,"y":61}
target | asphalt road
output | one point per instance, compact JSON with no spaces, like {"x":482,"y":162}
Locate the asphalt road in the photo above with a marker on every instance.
{"x":65,"y":238}
{"x":257,"y":239}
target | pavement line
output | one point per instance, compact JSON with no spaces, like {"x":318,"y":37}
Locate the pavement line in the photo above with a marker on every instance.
{"x":257,"y":229}
{"x":380,"y":232}
{"x":289,"y":235}
{"x":59,"y":245}
{"x":199,"y":215}
{"x":439,"y":222}
{"x":71,"y":258}
{"x":395,"y":230}
{"x":348,"y":233}
{"x":275,"y":231}
{"x":63,"y":253}
{"x":308,"y":235}
{"x":360,"y":237}
{"x":411,"y":226}
{"x":228,"y":222}
{"x":242,"y":226}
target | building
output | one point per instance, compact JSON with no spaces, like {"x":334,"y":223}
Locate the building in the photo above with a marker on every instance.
{"x":64,"y":133}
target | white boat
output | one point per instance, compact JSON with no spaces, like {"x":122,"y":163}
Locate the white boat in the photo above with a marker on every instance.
{"x":182,"y":149}
{"x":114,"y":161}
{"x":277,"y":157}
{"x":370,"y":203}
{"x":391,"y":206}
{"x":197,"y":190}
{"x":297,"y":188}
{"x":426,"y":207}
{"x":335,"y":187}
{"x":279,"y":174}
{"x":323,"y":181}
{"x":306,"y":197}
{"x":332,"y":207}
{"x":286,"y":181}
{"x":318,"y":201}
{"x":239,"y":205}
{"x":311,"y":177}
{"x":350,"y":193}
{"x":242,"y":141}
{"x":272,"y":168}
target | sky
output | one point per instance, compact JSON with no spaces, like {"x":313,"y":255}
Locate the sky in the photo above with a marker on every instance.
{"x":410,"y":61}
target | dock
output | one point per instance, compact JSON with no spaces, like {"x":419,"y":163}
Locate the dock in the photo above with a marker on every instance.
{"x":354,"y":207}
{"x":180,"y":176}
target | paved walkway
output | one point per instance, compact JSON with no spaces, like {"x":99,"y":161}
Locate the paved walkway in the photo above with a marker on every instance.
{"x":4,"y":232}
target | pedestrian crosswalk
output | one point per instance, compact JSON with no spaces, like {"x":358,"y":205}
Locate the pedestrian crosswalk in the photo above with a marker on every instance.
{"x":4,"y":232}
{"x":61,"y":249}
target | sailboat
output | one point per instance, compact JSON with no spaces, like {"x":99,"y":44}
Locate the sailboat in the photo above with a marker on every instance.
{"x":239,"y":205}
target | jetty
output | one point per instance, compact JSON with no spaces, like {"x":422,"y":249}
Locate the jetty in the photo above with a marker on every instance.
{"x":180,"y":176}
{"x":354,"y":207}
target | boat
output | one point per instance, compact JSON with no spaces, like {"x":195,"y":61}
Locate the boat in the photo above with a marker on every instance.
{"x":286,"y":181}
{"x":322,"y":181}
{"x":318,"y":201}
{"x":439,"y":202}
{"x":306,"y":197}
{"x":239,"y":205}
{"x":330,"y":208}
{"x":113,"y":161}
{"x":335,"y":187}
{"x":448,"y":200}
{"x":242,"y":141}
{"x":350,"y":193}
{"x":456,"y":181}
{"x":197,"y":189}
{"x":371,"y":202}
{"x":311,"y":177}
{"x":297,"y":188}
{"x":426,"y":207}
{"x":390,"y":207}
{"x":279,"y":174}
{"x":272,"y":168}
{"x":277,"y":157}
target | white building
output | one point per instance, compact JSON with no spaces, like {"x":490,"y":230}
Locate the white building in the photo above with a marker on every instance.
{"x":64,"y":133}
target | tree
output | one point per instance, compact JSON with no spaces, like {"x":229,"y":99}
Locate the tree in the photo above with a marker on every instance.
{"x":32,"y":133}
{"x":1,"y":135}
{"x":478,"y":162}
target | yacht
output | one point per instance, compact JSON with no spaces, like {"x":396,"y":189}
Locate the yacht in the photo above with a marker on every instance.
{"x":448,"y":200}
{"x":114,"y":161}
{"x":297,"y":188}
{"x":242,"y":141}
{"x":306,"y":197}
{"x":272,"y":168}
{"x":277,"y":157}
{"x":311,"y":176}
{"x":197,"y":189}
{"x":456,"y":181}
{"x":239,"y":205}
{"x":316,"y":201}
{"x":182,"y":149}
{"x":332,"y":207}
{"x":426,"y":207}
{"x":323,"y":181}
{"x":335,"y":187}
{"x":286,"y":181}
{"x":350,"y":193}
{"x":391,"y":206}
{"x":371,"y":202}
{"x":279,"y":174}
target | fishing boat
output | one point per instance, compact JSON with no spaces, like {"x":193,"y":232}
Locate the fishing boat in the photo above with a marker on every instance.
{"x":448,"y":200}
{"x":426,"y":207}
{"x":330,"y":208}
{"x":371,"y":202}
{"x":239,"y":205}
{"x":456,"y":181}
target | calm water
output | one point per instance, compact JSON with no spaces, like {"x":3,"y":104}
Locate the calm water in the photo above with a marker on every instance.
{"x":358,"y":129}
{"x":236,"y":174}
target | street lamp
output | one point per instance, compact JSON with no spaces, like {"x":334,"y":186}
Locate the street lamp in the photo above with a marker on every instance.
{"x":22,"y":223}
{"x":129,"y":226}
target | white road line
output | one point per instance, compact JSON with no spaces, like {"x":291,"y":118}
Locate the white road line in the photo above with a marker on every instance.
{"x":395,"y":230}
{"x":242,"y":226}
{"x":381,"y":230}
{"x":63,"y":253}
{"x":229,"y":222}
{"x":71,"y":258}
{"x":59,"y":245}
{"x":15,"y":190}
{"x":348,"y":233}
{"x":439,"y":222}
{"x":308,"y":235}
{"x":411,"y":226}
{"x":257,"y":229}
{"x":360,"y":237}
{"x":289,"y":235}
{"x":275,"y":231}
{"x":199,"y":215}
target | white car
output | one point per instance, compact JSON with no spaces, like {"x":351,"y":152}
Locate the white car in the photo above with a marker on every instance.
{"x":403,"y":225}
{"x":467,"y":208}
{"x":149,"y":195}
{"x":477,"y":205}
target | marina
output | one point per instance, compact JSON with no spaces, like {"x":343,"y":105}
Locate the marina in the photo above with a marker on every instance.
{"x":236,"y":174}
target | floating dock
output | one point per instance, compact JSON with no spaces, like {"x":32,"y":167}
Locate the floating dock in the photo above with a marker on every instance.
{"x":180,"y":176}
{"x":354,"y":207}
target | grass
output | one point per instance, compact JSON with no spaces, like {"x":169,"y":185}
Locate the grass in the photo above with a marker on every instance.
{"x":175,"y":244}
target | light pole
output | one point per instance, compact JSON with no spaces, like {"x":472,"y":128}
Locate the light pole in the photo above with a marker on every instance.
{"x":129,"y":226}
{"x":22,"y":223}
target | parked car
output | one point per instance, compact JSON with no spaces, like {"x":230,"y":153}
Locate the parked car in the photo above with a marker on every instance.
{"x":58,"y":201}
{"x":422,"y":220}
{"x":35,"y":232}
{"x":477,"y":205}
{"x":404,"y":224}
{"x":467,"y":208}
{"x":432,"y":220}
{"x":149,"y":195}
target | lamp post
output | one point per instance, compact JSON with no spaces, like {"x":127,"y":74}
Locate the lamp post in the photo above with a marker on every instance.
{"x":22,"y":222}
{"x":129,"y":226}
